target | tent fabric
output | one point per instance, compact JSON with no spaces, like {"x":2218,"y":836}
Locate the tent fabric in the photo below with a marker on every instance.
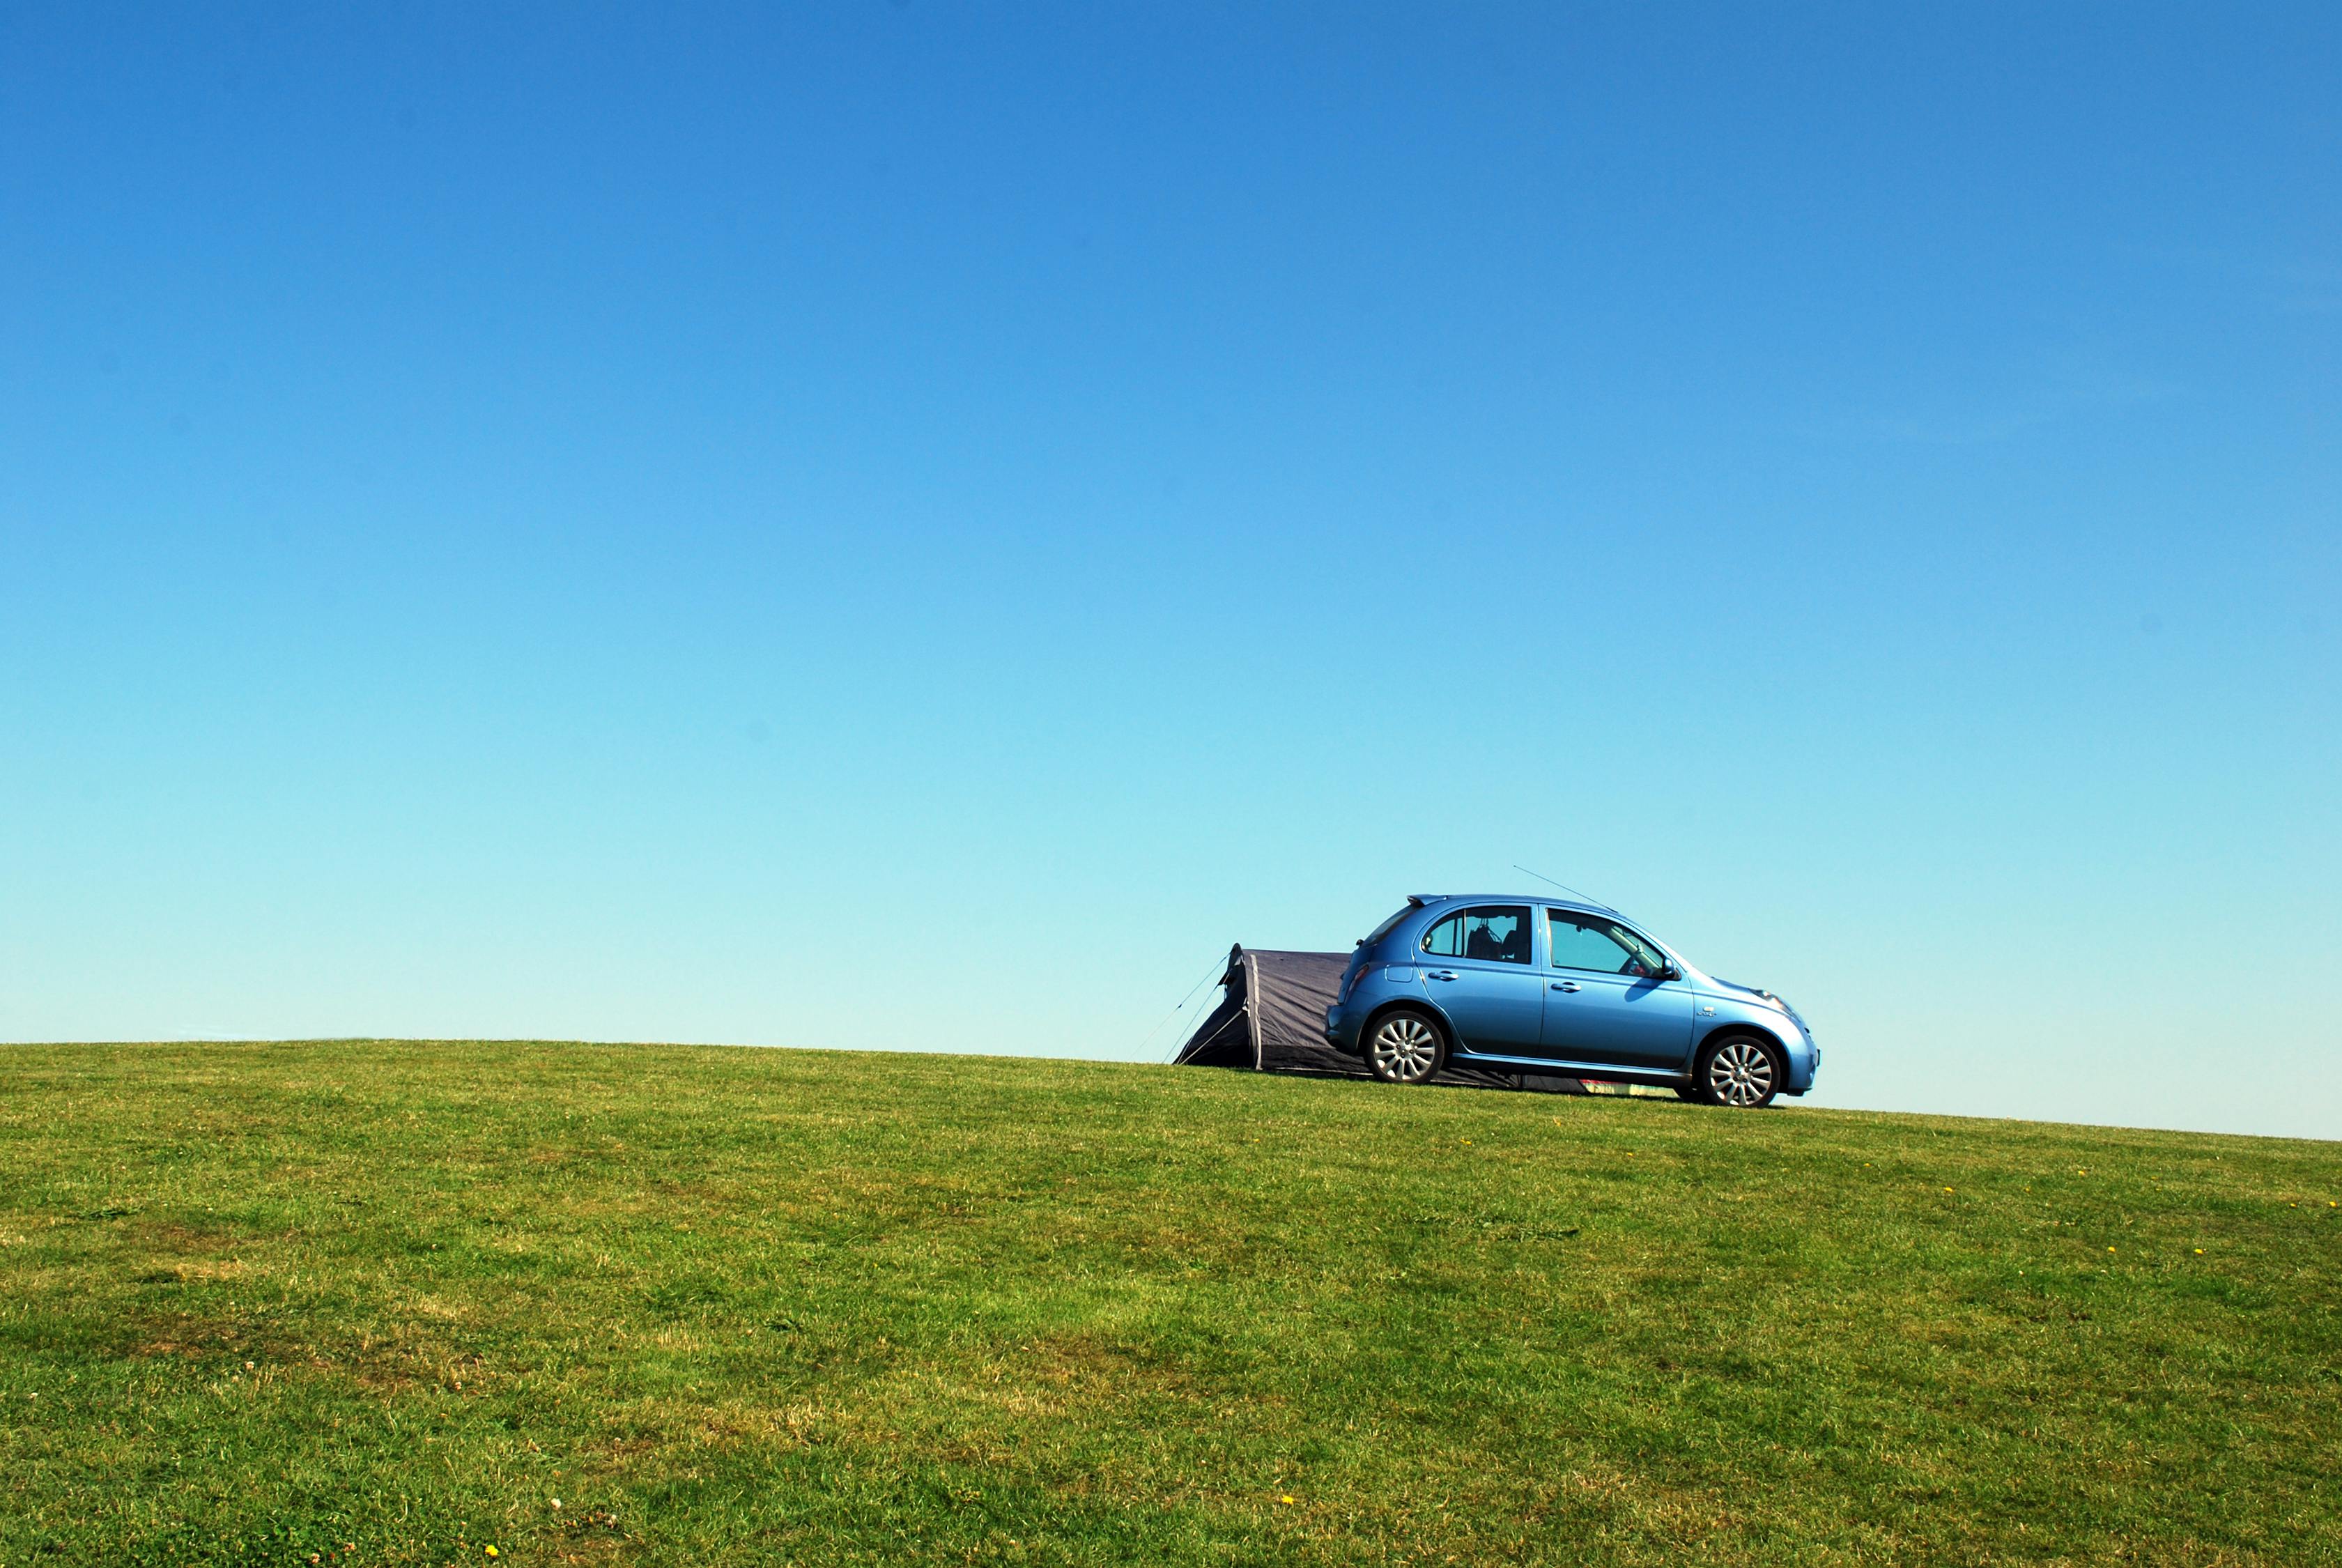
{"x":1225,"y":1036}
{"x":1272,"y":1019}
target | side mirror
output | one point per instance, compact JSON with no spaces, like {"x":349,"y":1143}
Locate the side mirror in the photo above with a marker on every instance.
{"x":1670,"y":972}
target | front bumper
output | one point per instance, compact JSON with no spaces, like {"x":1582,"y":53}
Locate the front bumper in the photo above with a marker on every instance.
{"x":1804,"y":1060}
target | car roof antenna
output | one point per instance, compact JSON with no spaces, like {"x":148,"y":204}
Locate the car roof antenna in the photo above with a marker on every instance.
{"x":1564,"y":886}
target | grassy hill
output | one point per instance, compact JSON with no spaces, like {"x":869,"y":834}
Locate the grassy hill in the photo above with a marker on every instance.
{"x":733,"y":1306}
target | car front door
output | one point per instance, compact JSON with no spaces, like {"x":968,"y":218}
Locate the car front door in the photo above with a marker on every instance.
{"x":1478,"y":966}
{"x":1605,"y":997}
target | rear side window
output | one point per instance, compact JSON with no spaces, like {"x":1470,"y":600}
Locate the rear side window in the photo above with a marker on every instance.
{"x":1499,"y":931}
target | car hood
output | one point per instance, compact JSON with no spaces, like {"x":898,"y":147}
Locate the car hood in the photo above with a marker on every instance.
{"x":1737,"y":991}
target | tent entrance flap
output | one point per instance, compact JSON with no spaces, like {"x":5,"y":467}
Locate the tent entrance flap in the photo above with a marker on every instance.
{"x":1225,"y":1036}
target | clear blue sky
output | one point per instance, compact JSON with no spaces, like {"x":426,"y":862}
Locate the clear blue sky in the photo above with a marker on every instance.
{"x":918,"y":525}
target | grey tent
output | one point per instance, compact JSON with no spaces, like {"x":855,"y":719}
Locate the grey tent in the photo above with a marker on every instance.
{"x":1272,"y":1019}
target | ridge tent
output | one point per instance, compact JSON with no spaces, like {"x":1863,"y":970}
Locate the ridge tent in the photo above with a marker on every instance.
{"x":1272,"y":1019}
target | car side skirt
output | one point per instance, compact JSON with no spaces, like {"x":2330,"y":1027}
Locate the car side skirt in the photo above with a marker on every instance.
{"x":1608,"y":1072}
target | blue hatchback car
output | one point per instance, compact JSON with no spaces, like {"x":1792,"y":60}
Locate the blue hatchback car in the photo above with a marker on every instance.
{"x":1555,"y":986}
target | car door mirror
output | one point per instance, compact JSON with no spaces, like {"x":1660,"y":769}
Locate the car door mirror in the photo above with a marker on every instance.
{"x":1669,"y":972}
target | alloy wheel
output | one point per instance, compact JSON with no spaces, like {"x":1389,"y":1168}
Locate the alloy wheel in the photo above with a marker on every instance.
{"x":1740,"y":1073}
{"x":1404,"y":1050}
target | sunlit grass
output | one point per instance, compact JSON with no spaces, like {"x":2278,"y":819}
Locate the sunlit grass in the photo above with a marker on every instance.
{"x":387,"y":1302}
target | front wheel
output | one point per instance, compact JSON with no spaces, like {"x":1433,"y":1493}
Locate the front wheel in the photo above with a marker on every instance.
{"x":1739,"y":1070}
{"x":1404,"y":1048}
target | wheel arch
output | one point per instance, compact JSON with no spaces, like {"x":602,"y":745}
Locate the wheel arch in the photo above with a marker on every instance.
{"x":1731,"y":1027}
{"x":1407,"y":1004}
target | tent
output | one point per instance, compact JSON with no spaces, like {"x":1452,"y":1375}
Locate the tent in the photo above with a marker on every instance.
{"x":1272,"y":1019}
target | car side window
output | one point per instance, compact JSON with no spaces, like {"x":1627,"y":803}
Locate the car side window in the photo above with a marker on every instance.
{"x":1580,"y":941}
{"x":1498,"y":932}
{"x":1652,"y":961}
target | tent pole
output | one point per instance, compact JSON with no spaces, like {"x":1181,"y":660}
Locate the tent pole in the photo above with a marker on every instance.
{"x":1251,"y":1004}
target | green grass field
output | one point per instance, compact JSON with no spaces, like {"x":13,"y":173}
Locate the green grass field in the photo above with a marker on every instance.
{"x":382,"y":1303}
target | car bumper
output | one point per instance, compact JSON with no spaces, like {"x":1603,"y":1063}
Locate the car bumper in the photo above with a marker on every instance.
{"x":1804,"y":1062}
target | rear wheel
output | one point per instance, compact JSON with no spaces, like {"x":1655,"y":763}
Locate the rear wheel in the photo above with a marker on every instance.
{"x":1739,"y":1070}
{"x":1405,"y":1046}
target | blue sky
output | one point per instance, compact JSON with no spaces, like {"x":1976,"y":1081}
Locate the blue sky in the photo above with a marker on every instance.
{"x":916,"y":525}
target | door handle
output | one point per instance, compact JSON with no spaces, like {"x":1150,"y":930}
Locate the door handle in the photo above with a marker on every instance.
{"x":1443,"y":974}
{"x":1564,"y":985}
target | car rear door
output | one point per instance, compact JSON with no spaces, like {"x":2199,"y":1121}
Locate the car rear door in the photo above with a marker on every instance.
{"x":1604,"y":1000}
{"x":1478,"y":965}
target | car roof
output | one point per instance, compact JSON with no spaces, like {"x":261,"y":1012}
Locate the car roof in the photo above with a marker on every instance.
{"x":1427,"y":899}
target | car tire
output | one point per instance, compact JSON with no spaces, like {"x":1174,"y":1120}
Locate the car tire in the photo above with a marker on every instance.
{"x":1740,"y":1071}
{"x":1405,"y":1047}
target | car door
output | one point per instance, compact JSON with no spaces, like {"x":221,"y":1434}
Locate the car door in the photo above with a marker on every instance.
{"x":1478,"y":966}
{"x":1605,"y":997}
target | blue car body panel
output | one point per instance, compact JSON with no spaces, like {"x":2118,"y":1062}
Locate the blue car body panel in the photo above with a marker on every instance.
{"x":1497,"y":1006}
{"x":1617,"y":1018}
{"x":1535,"y":1013}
